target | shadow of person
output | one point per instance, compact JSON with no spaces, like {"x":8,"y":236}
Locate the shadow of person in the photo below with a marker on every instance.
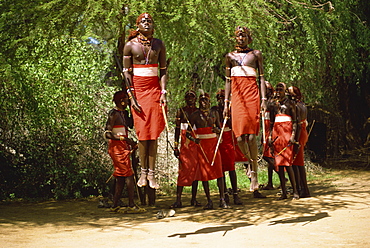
{"x":307,"y":219}
{"x":223,"y":228}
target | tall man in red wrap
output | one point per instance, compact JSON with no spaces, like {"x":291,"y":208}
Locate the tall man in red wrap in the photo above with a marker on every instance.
{"x":204,"y":125}
{"x":302,"y":138}
{"x":144,"y":57}
{"x":282,"y":138}
{"x":242,"y":91}
{"x":188,"y":155}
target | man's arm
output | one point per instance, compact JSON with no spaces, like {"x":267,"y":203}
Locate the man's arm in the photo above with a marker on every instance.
{"x":261,"y":79}
{"x":227,"y":86}
{"x":177,"y":132}
{"x":163,"y":73}
{"x":293,"y":114}
{"x":127,"y":72}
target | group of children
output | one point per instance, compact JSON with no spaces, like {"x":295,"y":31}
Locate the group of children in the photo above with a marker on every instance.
{"x":206,"y":146}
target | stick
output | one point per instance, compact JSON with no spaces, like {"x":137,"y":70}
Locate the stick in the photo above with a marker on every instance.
{"x":283,"y":150}
{"x":313,"y":123}
{"x":165,"y":118}
{"x":219,"y":139}
{"x":187,"y":120}
{"x":263,"y":127}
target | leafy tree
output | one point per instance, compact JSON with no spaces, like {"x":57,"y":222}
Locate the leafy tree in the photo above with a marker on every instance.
{"x":55,"y":94}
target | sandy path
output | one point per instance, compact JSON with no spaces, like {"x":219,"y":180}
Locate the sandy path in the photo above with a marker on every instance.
{"x":337,"y":215}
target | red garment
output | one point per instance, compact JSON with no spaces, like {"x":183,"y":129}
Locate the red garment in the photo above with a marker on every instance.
{"x":120,"y":154}
{"x":208,"y":172}
{"x":266,"y":148}
{"x":188,"y":164}
{"x":150,"y":122}
{"x":230,"y":151}
{"x":283,"y":150}
{"x":303,"y":138}
{"x":245,"y":105}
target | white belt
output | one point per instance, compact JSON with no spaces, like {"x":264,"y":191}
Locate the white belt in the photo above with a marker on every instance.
{"x":238,"y":71}
{"x":267,"y":115}
{"x":227,"y":129}
{"x":283,"y":118}
{"x":206,"y":136}
{"x":146,"y":72}
{"x":184,"y":126}
{"x":121,"y":131}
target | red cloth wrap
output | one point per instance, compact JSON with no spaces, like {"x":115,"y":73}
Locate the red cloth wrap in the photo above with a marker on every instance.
{"x":230,"y":152}
{"x":188,"y":164}
{"x":245,"y":108}
{"x":208,"y":172}
{"x":120,"y":154}
{"x":282,"y":130}
{"x":303,"y":138}
{"x":150,"y":122}
{"x":266,"y":148}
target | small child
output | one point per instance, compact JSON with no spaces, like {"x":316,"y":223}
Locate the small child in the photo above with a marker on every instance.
{"x":116,"y":130}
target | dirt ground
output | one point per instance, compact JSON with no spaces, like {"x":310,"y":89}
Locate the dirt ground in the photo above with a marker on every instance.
{"x":337,"y":215}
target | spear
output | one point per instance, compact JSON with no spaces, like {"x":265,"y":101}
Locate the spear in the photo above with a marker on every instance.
{"x":165,"y":117}
{"x":263,"y":126}
{"x":219,"y":139}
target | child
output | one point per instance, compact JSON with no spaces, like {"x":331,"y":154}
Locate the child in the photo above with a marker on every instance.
{"x":116,"y":130}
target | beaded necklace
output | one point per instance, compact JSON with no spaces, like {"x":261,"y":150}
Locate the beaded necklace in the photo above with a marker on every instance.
{"x":145,"y":42}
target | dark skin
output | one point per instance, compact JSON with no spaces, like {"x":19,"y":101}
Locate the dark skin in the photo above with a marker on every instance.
{"x":270,"y":161}
{"x":204,"y":117}
{"x":232,"y":174}
{"x":190,"y":108}
{"x":284,"y":106}
{"x":136,"y":53}
{"x":119,"y":116}
{"x":247,"y":142}
{"x":300,"y":171}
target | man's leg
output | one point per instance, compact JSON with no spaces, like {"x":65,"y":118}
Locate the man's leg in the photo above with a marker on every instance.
{"x":120,"y":182}
{"x":305,"y":191}
{"x":270,"y":171}
{"x":282,"y":183}
{"x":152,"y":155}
{"x":290,"y":171}
{"x":194,"y":190}
{"x":209,"y":204}
{"x":221,"y":189}
{"x":130,"y":190}
{"x":227,"y":199}
{"x":143,"y":157}
{"x":234,"y":186}
{"x":178,"y":203}
{"x":253,"y":150}
{"x":297,"y":178}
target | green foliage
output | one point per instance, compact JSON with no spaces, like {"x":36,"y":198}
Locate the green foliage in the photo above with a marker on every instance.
{"x":53,"y":96}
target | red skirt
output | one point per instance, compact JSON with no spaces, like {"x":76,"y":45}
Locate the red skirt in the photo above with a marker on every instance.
{"x":299,"y":160}
{"x":150,"y":122}
{"x":266,"y":148}
{"x":188,"y":164}
{"x":230,"y":151}
{"x":120,"y":154}
{"x":283,"y":150}
{"x":208,"y":172}
{"x":245,"y":105}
